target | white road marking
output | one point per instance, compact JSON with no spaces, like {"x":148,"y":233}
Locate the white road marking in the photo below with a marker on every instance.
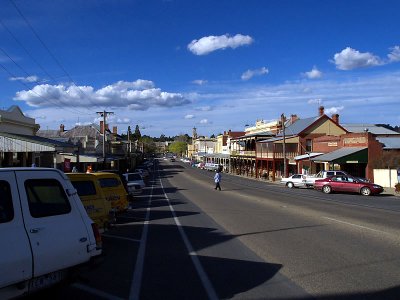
{"x":120,"y":238}
{"x":193,"y":255}
{"x":96,"y":292}
{"x":355,"y":225}
{"x":134,"y":293}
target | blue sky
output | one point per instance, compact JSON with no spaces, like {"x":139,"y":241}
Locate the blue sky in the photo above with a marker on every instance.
{"x":169,"y":65}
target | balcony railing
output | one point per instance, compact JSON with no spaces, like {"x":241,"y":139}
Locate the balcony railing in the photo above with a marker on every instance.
{"x":276,"y":155}
{"x":243,"y":153}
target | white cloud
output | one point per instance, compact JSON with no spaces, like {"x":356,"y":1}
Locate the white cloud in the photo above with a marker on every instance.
{"x":251,"y":73}
{"x":189,"y":116}
{"x":136,"y":95}
{"x":333,"y":110}
{"x":199,"y":81}
{"x":208,"y":44}
{"x":349,"y":59}
{"x":313,"y":74}
{"x":204,"y":121}
{"x":204,"y":108}
{"x":314,"y":101}
{"x":32,"y":78}
{"x":394,"y":56}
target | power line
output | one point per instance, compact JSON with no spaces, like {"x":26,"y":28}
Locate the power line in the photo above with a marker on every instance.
{"x":26,"y":51}
{"x":47,"y":48}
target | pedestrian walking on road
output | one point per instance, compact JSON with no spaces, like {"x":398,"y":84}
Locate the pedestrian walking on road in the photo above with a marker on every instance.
{"x":217,"y":179}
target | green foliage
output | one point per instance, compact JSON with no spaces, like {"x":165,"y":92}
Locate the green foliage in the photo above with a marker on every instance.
{"x":148,"y":144}
{"x":178,"y":148}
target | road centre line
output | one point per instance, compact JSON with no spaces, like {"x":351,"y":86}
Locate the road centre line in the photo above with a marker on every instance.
{"x":355,"y":225}
{"x":95,"y":291}
{"x":193,"y":255}
{"x":120,"y":238}
{"x":134,"y":293}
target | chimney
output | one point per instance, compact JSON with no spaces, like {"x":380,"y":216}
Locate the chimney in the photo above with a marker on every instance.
{"x":101,"y":127}
{"x":335,"y":118}
{"x":115,"y":130}
{"x":62,"y":128}
{"x":293,"y":118}
{"x":321,"y":110}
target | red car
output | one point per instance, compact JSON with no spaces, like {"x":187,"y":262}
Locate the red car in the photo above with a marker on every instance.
{"x":347,"y":184}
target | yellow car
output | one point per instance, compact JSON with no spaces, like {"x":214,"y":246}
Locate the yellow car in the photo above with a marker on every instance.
{"x":93,"y":198}
{"x":113,"y":190}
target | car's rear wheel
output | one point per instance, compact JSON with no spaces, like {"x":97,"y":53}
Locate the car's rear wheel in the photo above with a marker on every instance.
{"x":365,"y":191}
{"x":290,"y":185}
{"x":326,"y":189}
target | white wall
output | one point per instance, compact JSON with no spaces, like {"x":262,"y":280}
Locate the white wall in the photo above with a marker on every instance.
{"x":385,"y":177}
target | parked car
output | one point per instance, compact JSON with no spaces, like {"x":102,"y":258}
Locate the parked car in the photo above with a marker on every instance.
{"x":143,"y":171}
{"x":93,"y":198}
{"x":211,"y":167}
{"x":341,"y":183}
{"x":323,"y":174}
{"x":113,"y":190}
{"x":134,"y":182}
{"x":45,"y":231}
{"x":296,"y":180}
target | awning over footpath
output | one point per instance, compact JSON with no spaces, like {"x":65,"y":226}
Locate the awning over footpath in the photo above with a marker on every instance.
{"x":307,"y":156}
{"x":10,"y":142}
{"x":345,"y":155}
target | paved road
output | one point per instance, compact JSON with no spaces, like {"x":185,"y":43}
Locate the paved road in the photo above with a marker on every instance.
{"x":252,"y":240}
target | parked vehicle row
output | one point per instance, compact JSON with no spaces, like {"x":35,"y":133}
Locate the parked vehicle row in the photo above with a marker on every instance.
{"x":333,"y":181}
{"x":45,"y":229}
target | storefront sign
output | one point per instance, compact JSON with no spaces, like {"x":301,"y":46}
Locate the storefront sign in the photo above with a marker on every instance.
{"x":332,"y":144}
{"x":352,"y":162}
{"x":356,"y":140}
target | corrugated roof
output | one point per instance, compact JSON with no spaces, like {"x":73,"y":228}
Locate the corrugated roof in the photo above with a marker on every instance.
{"x":38,"y":139}
{"x":390,"y":142}
{"x":331,"y":156}
{"x":370,"y":127}
{"x":275,"y":139}
{"x":260,"y":134}
{"x":298,"y":126}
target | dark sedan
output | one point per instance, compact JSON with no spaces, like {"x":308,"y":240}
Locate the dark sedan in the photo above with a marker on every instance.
{"x":347,"y":184}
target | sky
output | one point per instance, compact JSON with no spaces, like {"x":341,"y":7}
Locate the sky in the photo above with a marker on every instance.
{"x":171,"y":65}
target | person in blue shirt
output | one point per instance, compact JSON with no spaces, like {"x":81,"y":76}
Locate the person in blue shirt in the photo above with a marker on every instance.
{"x":217,"y":179}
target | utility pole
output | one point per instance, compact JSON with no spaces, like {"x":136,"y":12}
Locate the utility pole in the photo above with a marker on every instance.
{"x":284,"y":145}
{"x":104,"y":115}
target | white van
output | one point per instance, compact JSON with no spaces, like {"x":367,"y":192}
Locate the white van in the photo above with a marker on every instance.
{"x":44,"y":229}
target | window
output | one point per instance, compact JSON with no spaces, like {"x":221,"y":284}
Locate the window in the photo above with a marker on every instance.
{"x":46,"y":197}
{"x":109,"y":182}
{"x":308,"y":145}
{"x":6,"y":205}
{"x":84,"y":188}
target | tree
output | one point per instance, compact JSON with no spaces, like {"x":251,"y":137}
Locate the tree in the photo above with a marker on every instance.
{"x":137,"y":135}
{"x":148,"y":144}
{"x":178,"y":148}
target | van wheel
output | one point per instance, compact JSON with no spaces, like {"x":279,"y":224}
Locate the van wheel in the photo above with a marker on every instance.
{"x":365,"y":191}
{"x":326,"y":189}
{"x":290,"y":185}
